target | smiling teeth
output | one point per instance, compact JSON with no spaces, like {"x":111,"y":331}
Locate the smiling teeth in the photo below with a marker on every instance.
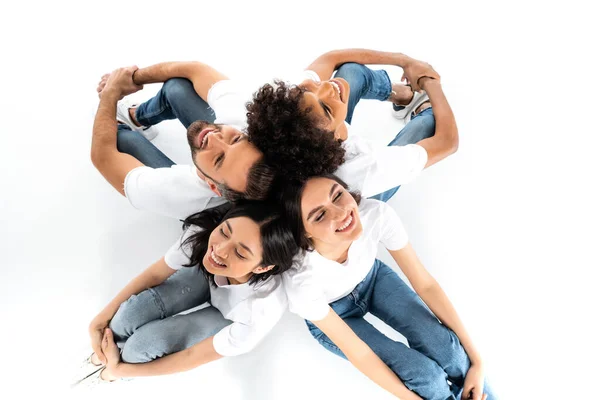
{"x":336,"y":87}
{"x":341,"y":228}
{"x":212,"y":255}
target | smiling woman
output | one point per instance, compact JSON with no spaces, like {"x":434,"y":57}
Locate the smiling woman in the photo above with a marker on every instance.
{"x":220,"y":258}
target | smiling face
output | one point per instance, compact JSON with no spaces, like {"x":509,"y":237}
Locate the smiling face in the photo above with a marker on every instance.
{"x":329,"y":213}
{"x":328,"y":102}
{"x":222,"y":153}
{"x":235,"y":250}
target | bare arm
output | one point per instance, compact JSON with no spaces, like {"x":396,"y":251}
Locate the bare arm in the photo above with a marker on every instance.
{"x":326,"y":63}
{"x":107,"y":159}
{"x":185,"y":360}
{"x":152,"y":276}
{"x":362,"y":357}
{"x":432,"y":294}
{"x":202,"y":76}
{"x":445,"y":140}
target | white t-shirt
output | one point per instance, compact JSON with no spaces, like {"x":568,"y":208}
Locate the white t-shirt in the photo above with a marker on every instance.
{"x":315,"y":281}
{"x":179,"y":192}
{"x":254,"y":309}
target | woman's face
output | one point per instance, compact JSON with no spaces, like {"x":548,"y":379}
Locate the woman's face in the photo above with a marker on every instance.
{"x":235,"y":249}
{"x":329,"y":213}
{"x":328,"y":102}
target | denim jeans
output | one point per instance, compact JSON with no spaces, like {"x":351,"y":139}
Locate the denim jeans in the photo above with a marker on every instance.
{"x":435,"y":356}
{"x":146,"y":327}
{"x":365,"y":84}
{"x":176,"y":99}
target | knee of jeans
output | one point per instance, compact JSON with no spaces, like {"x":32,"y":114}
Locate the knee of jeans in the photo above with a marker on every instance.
{"x":351,"y":72}
{"x":130,"y":316}
{"x":177,"y":88}
{"x":138,"y":349}
{"x":428,"y":379}
{"x":126,"y":139}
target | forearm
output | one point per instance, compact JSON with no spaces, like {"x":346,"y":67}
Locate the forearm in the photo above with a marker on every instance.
{"x":181,"y":361}
{"x":371,"y":365}
{"x":438,"y":302}
{"x":143,"y":281}
{"x":364,"y":56}
{"x":104,"y":134}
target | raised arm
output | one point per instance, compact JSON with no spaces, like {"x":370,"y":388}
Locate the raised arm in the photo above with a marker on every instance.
{"x":201,"y":75}
{"x":152,"y":276}
{"x":432,"y":294}
{"x":444,"y":142}
{"x":362,"y":357}
{"x":414,"y":69}
{"x":109,"y":161}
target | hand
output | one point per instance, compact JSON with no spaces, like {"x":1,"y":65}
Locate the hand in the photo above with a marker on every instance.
{"x":96,"y":330}
{"x":473,"y":386}
{"x":111,"y":351}
{"x":415,"y":69}
{"x":120,"y":81}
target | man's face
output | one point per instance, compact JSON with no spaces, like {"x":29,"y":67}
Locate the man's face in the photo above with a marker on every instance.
{"x":222,"y":153}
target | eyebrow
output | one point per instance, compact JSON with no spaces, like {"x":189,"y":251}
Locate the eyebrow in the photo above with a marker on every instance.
{"x":241,"y":244}
{"x":220,"y":163}
{"x":314,"y":210}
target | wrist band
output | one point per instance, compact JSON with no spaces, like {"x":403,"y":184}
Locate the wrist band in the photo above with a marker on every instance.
{"x":133,"y":76}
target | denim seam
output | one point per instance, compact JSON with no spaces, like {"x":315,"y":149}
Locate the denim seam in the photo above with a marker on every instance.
{"x":382,"y":95}
{"x":159,"y":303}
{"x":144,"y":119}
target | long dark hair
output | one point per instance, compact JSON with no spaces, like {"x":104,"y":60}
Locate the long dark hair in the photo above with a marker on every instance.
{"x":291,"y":199}
{"x":279,"y":246}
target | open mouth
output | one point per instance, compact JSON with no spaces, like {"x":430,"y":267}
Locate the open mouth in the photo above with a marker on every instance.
{"x":348,"y":223}
{"x":202,"y":137}
{"x":214,"y":260}
{"x":339,"y":87}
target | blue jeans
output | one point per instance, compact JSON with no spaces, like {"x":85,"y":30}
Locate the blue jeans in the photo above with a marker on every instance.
{"x":369,"y":84}
{"x":435,"y":356}
{"x":146,"y":327}
{"x":176,"y":99}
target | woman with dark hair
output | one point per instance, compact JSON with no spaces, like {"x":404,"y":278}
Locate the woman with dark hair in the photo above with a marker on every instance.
{"x":230,"y":256}
{"x":338,"y":280}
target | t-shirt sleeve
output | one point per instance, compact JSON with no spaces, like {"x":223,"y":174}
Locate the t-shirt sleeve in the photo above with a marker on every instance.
{"x":306,"y":297}
{"x":393,"y":166}
{"x":239,"y":338}
{"x":179,"y":254}
{"x":228,"y":100}
{"x":155,"y":190}
{"x":392,"y":235}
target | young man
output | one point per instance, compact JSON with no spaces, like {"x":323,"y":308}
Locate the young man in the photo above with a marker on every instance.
{"x":226,"y":164}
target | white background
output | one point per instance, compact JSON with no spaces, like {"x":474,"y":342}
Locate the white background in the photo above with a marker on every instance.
{"x":508,"y":225}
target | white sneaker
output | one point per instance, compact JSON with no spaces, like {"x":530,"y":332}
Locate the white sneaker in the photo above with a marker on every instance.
{"x":404,"y":112}
{"x":123,"y":106}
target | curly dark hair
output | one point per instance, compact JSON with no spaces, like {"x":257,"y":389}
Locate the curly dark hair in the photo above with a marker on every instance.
{"x":289,"y":137}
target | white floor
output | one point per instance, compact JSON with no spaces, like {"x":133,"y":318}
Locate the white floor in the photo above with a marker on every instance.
{"x":508,"y":225}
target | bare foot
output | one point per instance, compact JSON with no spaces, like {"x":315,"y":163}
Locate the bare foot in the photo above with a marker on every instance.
{"x":106,"y":376}
{"x":132,"y":116}
{"x":401,"y":95}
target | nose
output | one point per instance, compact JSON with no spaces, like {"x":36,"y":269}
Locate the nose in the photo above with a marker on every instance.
{"x":338,"y":213}
{"x":217,"y":140}
{"x":327,"y":89}
{"x":221,"y":250}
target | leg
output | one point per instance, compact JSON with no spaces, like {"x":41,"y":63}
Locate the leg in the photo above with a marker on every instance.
{"x":395,"y":303}
{"x":364,"y":83}
{"x":135,"y":144}
{"x":422,"y":126}
{"x":185,"y":289}
{"x":162,"y":337}
{"x":419,"y":373}
{"x":177,"y":99}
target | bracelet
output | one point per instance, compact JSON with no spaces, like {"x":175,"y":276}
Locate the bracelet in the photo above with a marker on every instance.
{"x":424,"y":76}
{"x":133,"y":77}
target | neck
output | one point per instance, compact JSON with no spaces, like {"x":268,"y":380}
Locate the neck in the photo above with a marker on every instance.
{"x":239,"y":281}
{"x":337,"y":252}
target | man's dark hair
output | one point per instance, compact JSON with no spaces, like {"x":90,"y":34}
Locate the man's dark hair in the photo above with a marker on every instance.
{"x":258,"y":186}
{"x":289,"y":137}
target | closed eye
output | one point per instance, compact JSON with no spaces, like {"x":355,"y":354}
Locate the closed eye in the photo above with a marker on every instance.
{"x":337,"y":197}
{"x":237,"y":253}
{"x":326,"y":109}
{"x":320,"y":216}
{"x":219,"y":159}
{"x":223,"y":233}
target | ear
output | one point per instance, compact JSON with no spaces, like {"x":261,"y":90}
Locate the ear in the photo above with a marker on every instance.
{"x":213,"y":187}
{"x":341,"y":132}
{"x":262,"y":270}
